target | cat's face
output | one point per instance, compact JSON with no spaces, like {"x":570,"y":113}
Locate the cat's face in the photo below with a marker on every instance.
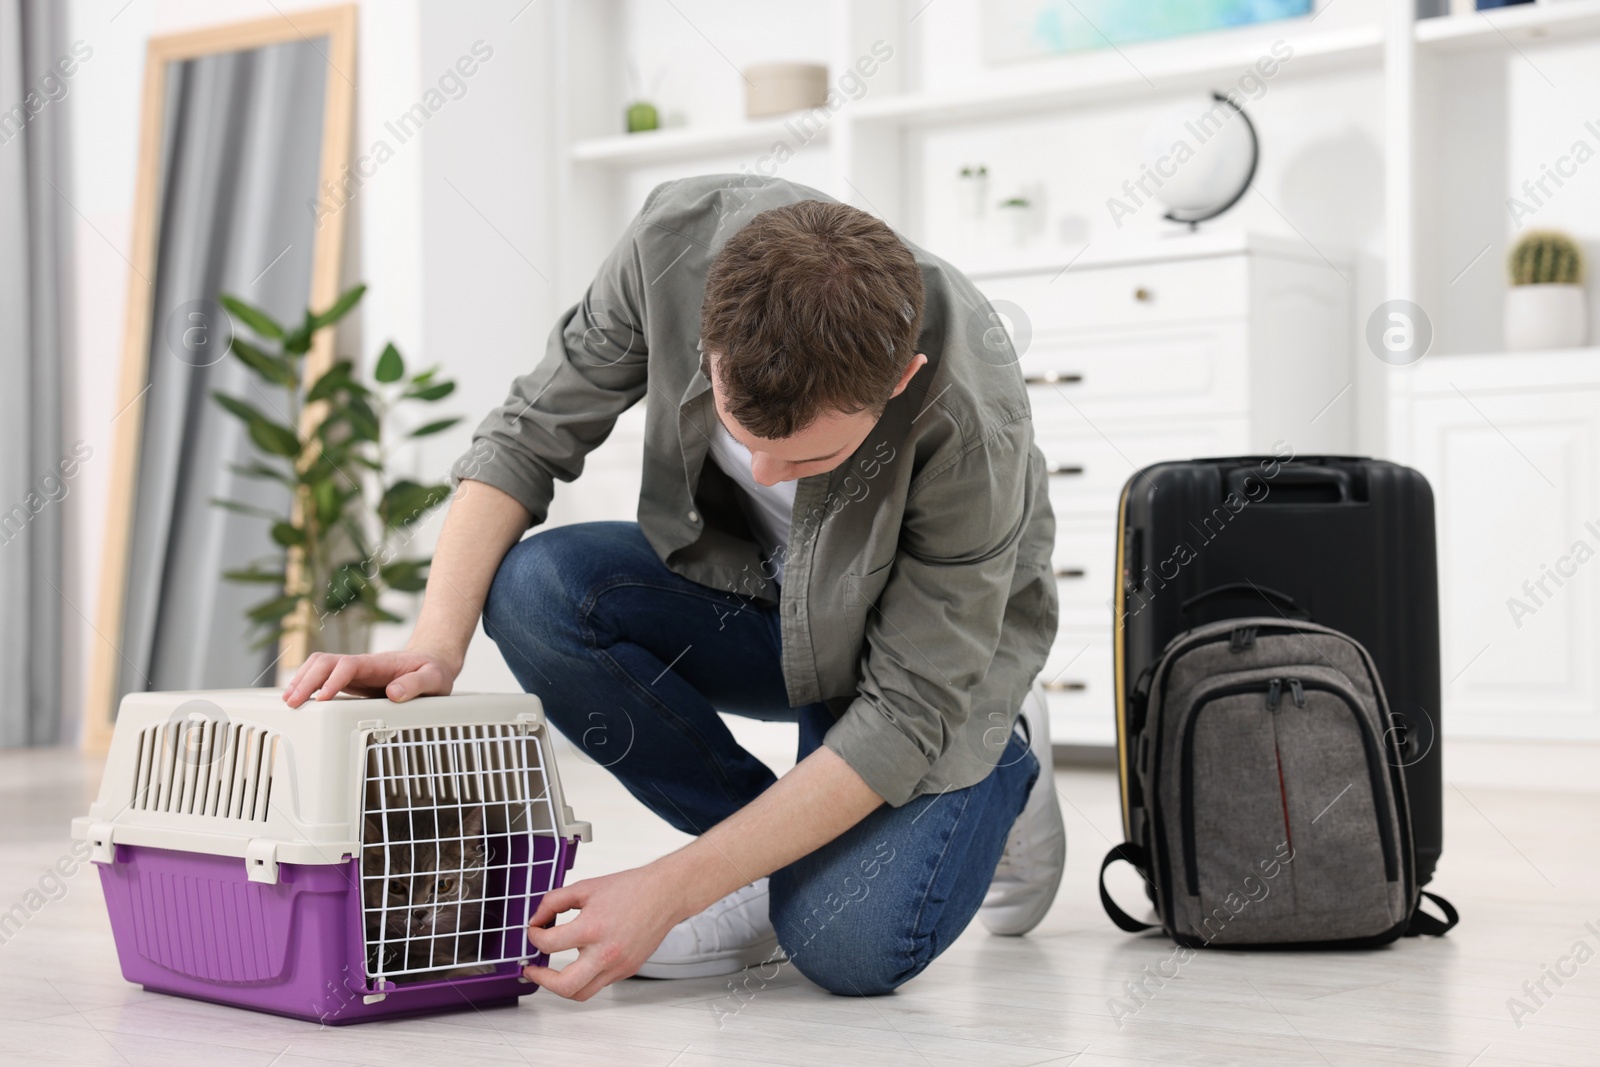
{"x":431,"y":887}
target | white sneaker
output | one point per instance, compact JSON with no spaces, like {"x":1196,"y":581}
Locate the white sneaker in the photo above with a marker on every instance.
{"x":1029,"y":872}
{"x":732,"y":934}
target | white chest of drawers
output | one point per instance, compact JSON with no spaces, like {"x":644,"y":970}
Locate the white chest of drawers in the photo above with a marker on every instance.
{"x":1196,"y":345}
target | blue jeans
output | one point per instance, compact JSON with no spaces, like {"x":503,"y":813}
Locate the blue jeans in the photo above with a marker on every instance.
{"x":633,"y":662}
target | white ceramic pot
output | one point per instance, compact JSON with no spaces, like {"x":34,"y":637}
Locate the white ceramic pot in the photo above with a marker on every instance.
{"x":1545,"y":316}
{"x":1020,"y":223}
{"x":778,"y":88}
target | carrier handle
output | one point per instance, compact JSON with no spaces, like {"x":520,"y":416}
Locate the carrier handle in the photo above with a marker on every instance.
{"x":1133,"y":854}
{"x":1283,"y":601}
{"x":1423,"y":923}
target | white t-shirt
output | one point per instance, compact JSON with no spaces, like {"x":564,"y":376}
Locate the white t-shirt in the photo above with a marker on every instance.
{"x":768,"y":508}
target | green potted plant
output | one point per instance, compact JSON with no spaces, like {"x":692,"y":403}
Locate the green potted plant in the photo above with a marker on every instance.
{"x":1545,"y":306}
{"x":350,"y":521}
{"x":640,"y":115}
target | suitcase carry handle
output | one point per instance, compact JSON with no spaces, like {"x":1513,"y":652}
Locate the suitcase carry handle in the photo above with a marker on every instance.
{"x":1133,"y":854}
{"x":1283,"y":601}
{"x":1296,"y":484}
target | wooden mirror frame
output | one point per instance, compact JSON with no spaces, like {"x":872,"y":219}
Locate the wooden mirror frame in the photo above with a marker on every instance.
{"x":338,"y":25}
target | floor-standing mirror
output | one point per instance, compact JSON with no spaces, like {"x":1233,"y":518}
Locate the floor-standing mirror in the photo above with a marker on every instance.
{"x":243,"y":127}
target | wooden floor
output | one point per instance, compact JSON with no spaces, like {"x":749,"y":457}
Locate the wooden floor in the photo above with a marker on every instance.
{"x":1523,"y":867}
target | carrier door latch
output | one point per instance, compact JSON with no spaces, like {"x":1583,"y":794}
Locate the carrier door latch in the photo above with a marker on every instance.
{"x":261,"y":860}
{"x":101,"y":850}
{"x":376,"y":728}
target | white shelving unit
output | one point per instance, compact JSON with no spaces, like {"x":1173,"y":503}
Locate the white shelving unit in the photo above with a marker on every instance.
{"x":1396,"y":140}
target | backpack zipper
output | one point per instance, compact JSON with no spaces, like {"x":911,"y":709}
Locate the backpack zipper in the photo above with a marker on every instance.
{"x":1274,"y":697}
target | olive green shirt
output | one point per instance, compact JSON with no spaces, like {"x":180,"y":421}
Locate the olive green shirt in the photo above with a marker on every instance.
{"x":918,"y":599}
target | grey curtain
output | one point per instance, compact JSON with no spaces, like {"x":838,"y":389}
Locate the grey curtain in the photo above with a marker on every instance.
{"x":242,"y":144}
{"x":34,"y":237}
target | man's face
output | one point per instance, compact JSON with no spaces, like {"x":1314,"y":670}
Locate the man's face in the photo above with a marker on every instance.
{"x":829,"y":440}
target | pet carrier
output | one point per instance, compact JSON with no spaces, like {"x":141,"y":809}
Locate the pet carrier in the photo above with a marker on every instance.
{"x":341,"y":861}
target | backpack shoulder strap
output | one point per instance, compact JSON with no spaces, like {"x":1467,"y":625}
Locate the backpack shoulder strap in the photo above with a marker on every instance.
{"x":1421,"y":921}
{"x":1129,"y":853}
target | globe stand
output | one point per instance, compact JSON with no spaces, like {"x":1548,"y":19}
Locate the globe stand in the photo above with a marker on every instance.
{"x":1255,"y":157}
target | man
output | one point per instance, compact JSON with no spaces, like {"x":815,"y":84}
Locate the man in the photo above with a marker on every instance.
{"x":843,"y":523}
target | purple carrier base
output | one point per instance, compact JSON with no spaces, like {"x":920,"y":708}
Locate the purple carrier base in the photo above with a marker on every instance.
{"x":194,"y":925}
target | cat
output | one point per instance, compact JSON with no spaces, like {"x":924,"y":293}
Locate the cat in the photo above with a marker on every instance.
{"x":431,"y":890}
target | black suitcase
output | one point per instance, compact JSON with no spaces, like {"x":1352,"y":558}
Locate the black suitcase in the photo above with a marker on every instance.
{"x":1343,"y":541}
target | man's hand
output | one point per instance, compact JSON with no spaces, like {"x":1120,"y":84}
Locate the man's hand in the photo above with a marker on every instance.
{"x":625,"y":917}
{"x":396,"y":675}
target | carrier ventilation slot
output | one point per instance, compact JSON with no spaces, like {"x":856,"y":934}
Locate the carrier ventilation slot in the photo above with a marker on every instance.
{"x":209,"y":768}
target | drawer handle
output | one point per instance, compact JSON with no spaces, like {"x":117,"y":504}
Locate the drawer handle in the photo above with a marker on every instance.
{"x":1052,"y":377}
{"x":1069,"y":572}
{"x":1066,"y":470}
{"x":1066,"y":687}
{"x":1143,"y":295}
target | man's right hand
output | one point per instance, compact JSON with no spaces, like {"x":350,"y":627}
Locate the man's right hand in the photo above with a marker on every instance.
{"x":396,"y":675}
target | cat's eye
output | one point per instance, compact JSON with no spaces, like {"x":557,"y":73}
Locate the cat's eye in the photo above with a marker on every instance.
{"x":396,"y":889}
{"x":444,"y":885}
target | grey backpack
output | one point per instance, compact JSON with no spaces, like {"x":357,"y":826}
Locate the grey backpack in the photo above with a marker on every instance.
{"x":1266,"y":803}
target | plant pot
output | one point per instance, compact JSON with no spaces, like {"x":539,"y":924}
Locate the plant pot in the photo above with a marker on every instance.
{"x":1019,"y":222}
{"x":1545,"y":316}
{"x":642,"y":117}
{"x":779,"y":88}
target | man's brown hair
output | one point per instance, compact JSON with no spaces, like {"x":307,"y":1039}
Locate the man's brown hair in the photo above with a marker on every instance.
{"x":811,"y":307}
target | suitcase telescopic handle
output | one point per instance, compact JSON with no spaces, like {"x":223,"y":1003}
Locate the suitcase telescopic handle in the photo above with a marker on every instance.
{"x":1280,"y":600}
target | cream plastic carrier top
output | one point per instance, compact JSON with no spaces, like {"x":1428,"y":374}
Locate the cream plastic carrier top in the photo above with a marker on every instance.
{"x":237,"y":772}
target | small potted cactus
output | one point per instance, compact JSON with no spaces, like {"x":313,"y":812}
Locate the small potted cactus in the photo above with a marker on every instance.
{"x":1545,"y":305}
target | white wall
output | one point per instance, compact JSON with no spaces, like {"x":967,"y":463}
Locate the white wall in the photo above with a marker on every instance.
{"x":488,"y":206}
